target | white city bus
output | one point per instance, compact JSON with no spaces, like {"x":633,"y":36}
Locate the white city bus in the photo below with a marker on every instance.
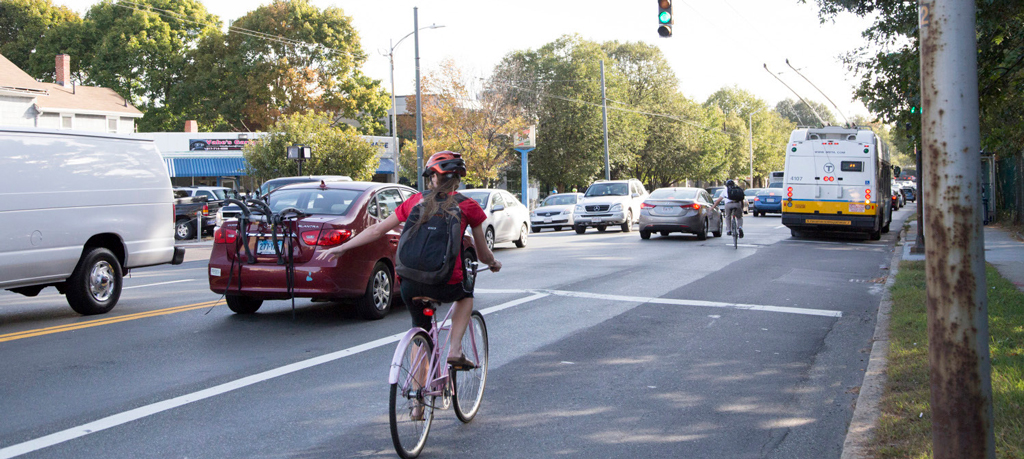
{"x":837,"y":179}
{"x":776,"y":177}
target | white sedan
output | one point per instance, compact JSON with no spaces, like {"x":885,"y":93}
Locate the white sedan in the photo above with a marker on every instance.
{"x":556,"y":212}
{"x":508,"y":220}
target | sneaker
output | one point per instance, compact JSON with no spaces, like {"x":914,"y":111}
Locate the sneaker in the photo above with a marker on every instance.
{"x":741,"y":232}
{"x":728,"y":233}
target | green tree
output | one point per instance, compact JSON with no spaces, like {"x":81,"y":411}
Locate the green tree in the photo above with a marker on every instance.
{"x":138,"y":50}
{"x":33,"y":32}
{"x":289,"y":57}
{"x":559,"y":85}
{"x":799,"y":113}
{"x":336,"y":150}
{"x":741,"y":111}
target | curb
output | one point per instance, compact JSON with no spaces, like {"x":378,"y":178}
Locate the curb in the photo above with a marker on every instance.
{"x":866,"y":413}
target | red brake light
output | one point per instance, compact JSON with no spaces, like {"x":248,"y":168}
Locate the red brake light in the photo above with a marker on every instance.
{"x":756,"y":199}
{"x":224,"y":235}
{"x":326,"y":237}
{"x":206,"y":209}
{"x":695,"y":205}
{"x":789,"y":192}
{"x":646,"y":206}
{"x":428,"y":312}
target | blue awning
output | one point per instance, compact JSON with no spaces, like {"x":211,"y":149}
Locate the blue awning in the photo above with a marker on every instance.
{"x":386,"y":166}
{"x":205,"y":167}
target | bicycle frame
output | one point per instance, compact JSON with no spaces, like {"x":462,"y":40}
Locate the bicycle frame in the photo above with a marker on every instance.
{"x":437,"y":375}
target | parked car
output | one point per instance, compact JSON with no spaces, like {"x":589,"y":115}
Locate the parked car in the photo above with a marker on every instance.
{"x":212,"y":193}
{"x":749,"y":195}
{"x":508,"y":220}
{"x":909,"y":193}
{"x":187,"y":209}
{"x":331,"y":214}
{"x":556,"y":212}
{"x":80,"y":210}
{"x":231,"y":211}
{"x":610,"y":202}
{"x":768,"y":200}
{"x":673,"y":210}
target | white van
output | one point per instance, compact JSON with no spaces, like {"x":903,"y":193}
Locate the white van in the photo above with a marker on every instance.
{"x":79,"y":210}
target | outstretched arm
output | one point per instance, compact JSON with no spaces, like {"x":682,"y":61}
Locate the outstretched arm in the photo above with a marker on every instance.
{"x":374,"y":232}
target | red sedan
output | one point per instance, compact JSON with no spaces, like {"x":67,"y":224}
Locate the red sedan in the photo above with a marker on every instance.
{"x":313,"y":216}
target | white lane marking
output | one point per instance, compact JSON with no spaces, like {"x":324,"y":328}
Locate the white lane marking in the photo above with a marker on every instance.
{"x":675,"y":302}
{"x":780,"y":227}
{"x":158,"y":407}
{"x":158,"y":283}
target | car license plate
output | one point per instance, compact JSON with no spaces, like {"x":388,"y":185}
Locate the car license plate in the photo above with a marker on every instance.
{"x":597,"y":220}
{"x":547,"y":220}
{"x":856,"y":207}
{"x":266,"y":247}
{"x":773,"y":200}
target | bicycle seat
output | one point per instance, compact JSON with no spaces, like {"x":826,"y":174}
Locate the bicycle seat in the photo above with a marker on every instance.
{"x":426,"y":301}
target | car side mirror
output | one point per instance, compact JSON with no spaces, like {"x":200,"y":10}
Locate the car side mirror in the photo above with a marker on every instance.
{"x":497,"y":208}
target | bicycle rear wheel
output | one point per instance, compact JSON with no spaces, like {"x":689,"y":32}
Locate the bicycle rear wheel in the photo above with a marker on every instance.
{"x":408,"y":431}
{"x":735,"y":233}
{"x":469,"y":384}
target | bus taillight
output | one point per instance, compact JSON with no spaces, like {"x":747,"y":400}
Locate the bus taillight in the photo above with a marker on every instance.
{"x":789,"y":192}
{"x":867,"y":195}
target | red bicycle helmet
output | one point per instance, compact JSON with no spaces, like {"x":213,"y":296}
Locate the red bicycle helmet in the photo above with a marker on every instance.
{"x":445,"y":162}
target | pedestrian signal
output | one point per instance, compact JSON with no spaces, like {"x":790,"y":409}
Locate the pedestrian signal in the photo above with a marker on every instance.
{"x":665,"y":19}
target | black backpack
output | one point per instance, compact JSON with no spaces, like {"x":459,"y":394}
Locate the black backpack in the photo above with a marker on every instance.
{"x":735,"y":193}
{"x":428,"y":253}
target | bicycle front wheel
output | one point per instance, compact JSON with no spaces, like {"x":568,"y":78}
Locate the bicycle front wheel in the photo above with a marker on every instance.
{"x":469,"y":384}
{"x":410,"y":411}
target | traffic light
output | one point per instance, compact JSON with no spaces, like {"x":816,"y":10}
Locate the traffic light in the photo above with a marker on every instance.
{"x":665,"y":18}
{"x":914,"y":110}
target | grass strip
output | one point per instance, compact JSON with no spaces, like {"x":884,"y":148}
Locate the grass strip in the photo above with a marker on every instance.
{"x":904,"y":426}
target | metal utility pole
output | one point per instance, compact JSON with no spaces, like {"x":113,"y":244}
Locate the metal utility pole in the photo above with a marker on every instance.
{"x":604,"y":114}
{"x":750,"y":129}
{"x":958,"y":354}
{"x":394,"y":109}
{"x":419,"y":102}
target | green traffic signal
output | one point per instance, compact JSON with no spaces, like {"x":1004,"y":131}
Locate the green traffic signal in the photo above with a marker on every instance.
{"x":913,"y":110}
{"x":665,"y":17}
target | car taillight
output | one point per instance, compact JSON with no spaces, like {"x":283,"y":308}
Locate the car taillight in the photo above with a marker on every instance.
{"x":646,"y":206}
{"x":694,"y":205}
{"x":756,"y":199}
{"x":327,"y":237}
{"x":224,"y":235}
{"x":206,"y":209}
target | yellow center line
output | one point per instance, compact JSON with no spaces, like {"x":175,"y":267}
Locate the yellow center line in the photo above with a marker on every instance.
{"x":106,"y":321}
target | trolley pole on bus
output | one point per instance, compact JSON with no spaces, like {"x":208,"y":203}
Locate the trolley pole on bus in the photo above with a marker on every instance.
{"x":958,"y":353}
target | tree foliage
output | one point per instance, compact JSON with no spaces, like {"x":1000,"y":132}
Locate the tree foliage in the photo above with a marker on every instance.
{"x":889,"y":65}
{"x":33,"y":32}
{"x":336,"y":150}
{"x":480,"y":127}
{"x":803,"y":115}
{"x":763,"y":129}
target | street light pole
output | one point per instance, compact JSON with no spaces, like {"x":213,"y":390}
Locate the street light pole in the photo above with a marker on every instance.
{"x":419,"y":102}
{"x":394,"y":109}
{"x":750,"y":129}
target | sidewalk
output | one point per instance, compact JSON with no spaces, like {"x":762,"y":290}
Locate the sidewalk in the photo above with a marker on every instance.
{"x":1003,"y":249}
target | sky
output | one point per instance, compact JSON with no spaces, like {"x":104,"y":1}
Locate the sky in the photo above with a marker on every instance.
{"x":715,"y":43}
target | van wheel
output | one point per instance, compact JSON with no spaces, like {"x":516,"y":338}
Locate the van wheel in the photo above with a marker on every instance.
{"x":95,"y":284}
{"x":580,"y":229}
{"x":184,"y":230}
{"x":376,"y":302}
{"x":521,"y":242}
{"x":243,"y":304}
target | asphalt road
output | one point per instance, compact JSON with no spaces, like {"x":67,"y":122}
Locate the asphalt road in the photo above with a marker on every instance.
{"x":669,"y":347}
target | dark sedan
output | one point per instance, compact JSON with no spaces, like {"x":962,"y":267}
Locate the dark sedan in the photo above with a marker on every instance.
{"x":329,"y":213}
{"x":679,"y":210}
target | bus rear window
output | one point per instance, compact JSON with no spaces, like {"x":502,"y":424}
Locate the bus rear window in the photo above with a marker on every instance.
{"x":851,"y":166}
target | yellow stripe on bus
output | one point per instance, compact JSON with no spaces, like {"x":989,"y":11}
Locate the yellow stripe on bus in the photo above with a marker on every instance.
{"x":829,"y":207}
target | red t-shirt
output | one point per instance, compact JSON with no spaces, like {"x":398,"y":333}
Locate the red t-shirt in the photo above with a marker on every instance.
{"x":472,"y":215}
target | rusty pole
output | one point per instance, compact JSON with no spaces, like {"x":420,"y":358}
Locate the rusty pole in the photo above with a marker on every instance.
{"x":961,"y":385}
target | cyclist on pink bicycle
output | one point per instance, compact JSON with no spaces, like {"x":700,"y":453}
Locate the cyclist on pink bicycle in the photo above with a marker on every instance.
{"x":445,"y":171}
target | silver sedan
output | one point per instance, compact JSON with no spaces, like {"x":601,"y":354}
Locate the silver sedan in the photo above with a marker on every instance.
{"x":675,"y":210}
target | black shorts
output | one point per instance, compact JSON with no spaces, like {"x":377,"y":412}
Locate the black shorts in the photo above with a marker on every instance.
{"x":445,"y":293}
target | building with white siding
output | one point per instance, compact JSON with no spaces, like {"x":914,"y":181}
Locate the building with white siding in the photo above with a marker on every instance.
{"x":62,"y":104}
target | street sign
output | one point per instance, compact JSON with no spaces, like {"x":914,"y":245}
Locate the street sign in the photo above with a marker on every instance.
{"x":526,"y":139}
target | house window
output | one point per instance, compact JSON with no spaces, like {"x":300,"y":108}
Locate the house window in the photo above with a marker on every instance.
{"x":66,"y":121}
{"x":112,"y":125}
